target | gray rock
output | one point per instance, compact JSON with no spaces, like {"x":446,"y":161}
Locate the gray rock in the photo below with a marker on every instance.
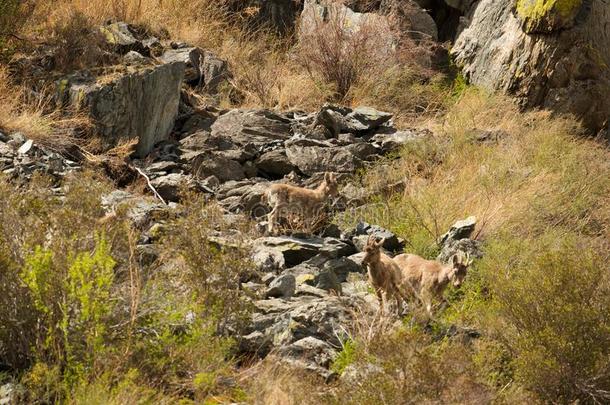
{"x":365,"y":119}
{"x":17,"y":139}
{"x":120,"y":35}
{"x":342,"y":266}
{"x":306,"y":289}
{"x":170,"y":185}
{"x":457,"y":239}
{"x":394,"y":141}
{"x":8,"y":394}
{"x":205,"y":164}
{"x":142,"y":211}
{"x":327,"y":280}
{"x":307,"y":316}
{"x":355,"y":373}
{"x":274,"y":163}
{"x":214,"y":71}
{"x":460,"y":230}
{"x":314,"y":159}
{"x":391,"y":243}
{"x":256,"y":343}
{"x":147,"y":254}
{"x":251,"y":127}
{"x":283,"y":286}
{"x":279,"y":14}
{"x":559,"y":60}
{"x":452,"y":247}
{"x":192,"y":57}
{"x":133,"y":57}
{"x":316,"y":12}
{"x":268,"y":259}
{"x":26,"y":147}
{"x":312,"y":349}
{"x":243,"y":197}
{"x":268,"y":278}
{"x":421,"y":24}
{"x":142,"y":103}
{"x":357,"y":258}
{"x":294,"y":250}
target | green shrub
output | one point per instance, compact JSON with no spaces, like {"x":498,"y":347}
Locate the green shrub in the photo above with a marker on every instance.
{"x":551,"y":295}
{"x":345,"y":357}
{"x":73,"y":303}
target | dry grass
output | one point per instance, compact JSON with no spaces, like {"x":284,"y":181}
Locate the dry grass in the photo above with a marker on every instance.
{"x":271,"y":383}
{"x":34,"y":119}
{"x":540,"y":173}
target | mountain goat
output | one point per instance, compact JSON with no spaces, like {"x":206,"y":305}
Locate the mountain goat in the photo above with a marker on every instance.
{"x":284,"y":197}
{"x":384,"y":273}
{"x":429,"y":278}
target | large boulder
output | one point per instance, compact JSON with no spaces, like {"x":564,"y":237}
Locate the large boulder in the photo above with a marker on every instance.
{"x":251,"y":127}
{"x":548,"y":53}
{"x":138,"y":102}
{"x":314,"y":159}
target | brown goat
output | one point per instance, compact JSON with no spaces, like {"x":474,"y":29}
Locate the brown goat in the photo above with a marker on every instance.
{"x":429,"y":278}
{"x":384,"y":273}
{"x":304,"y":201}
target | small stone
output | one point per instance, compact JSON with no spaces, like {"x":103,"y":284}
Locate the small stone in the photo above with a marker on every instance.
{"x":25,"y":148}
{"x":284,"y":286}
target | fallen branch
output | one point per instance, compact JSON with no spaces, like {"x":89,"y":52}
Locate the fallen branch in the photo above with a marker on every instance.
{"x":141,"y":172}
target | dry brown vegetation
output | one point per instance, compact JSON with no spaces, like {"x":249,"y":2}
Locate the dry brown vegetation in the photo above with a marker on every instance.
{"x":539,"y":298}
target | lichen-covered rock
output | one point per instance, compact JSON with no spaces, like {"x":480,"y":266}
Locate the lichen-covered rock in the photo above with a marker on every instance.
{"x":547,"y":15}
{"x":139,"y":102}
{"x":548,"y":53}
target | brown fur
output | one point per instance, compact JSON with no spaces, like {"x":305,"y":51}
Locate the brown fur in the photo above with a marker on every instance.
{"x":304,"y":201}
{"x":384,"y":273}
{"x":429,"y":278}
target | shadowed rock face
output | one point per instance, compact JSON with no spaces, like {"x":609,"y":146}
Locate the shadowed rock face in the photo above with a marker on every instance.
{"x":542,"y":52}
{"x":141,"y":103}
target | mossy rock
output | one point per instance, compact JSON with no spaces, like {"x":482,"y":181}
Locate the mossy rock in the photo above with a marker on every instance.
{"x":545,"y":16}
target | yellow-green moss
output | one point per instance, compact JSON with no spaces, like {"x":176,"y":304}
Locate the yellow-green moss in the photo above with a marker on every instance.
{"x":547,"y":15}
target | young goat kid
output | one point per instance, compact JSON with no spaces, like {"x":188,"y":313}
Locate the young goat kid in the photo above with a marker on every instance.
{"x":284,"y":197}
{"x":384,"y":273}
{"x":429,"y":278}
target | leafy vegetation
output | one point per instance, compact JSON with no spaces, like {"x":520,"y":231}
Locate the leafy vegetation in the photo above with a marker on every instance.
{"x":84,"y":320}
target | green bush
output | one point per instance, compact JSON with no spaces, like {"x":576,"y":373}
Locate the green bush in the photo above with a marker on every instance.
{"x":552,"y":295}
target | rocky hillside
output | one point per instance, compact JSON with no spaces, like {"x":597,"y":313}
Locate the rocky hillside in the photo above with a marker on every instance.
{"x":138,"y":141}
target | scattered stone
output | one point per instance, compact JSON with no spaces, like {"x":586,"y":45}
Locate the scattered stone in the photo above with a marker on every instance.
{"x":311,"y":354}
{"x":460,"y":230}
{"x":283,"y":286}
{"x":26,"y":147}
{"x":391,"y":241}
{"x":133,"y":57}
{"x":457,"y":239}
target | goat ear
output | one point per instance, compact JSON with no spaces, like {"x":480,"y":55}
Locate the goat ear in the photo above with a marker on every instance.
{"x":380,"y":243}
{"x":327,"y":176}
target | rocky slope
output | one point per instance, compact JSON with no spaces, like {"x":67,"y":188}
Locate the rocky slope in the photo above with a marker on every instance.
{"x":548,"y":56}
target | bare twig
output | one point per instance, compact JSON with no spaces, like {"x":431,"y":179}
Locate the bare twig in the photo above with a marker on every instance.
{"x":141,"y":172}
